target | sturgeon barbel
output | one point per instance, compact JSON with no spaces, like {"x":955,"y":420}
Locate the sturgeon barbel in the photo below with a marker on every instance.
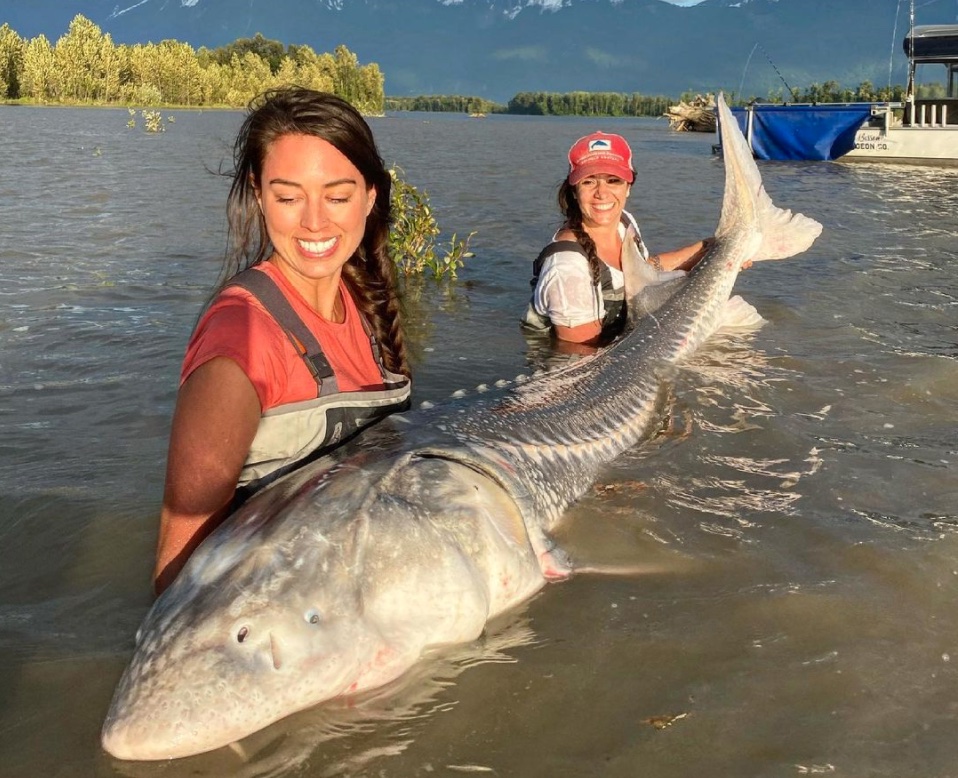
{"x":337,"y":578}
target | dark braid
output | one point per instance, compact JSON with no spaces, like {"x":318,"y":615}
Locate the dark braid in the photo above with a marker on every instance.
{"x":371,"y":279}
{"x":370,"y":274}
{"x":569,"y":206}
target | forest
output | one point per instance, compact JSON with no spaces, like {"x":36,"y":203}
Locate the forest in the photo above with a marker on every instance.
{"x":85,"y":67}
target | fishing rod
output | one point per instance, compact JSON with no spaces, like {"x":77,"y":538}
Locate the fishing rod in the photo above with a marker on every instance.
{"x":748,"y":62}
{"x":790,"y":90}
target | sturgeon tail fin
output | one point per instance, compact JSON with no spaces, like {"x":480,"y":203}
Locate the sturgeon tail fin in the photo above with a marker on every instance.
{"x":783,"y":233}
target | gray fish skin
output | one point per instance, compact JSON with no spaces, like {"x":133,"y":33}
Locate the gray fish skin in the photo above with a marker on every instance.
{"x":339,"y":577}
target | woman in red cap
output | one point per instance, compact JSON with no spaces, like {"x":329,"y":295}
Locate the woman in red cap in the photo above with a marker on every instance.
{"x":577,"y":278}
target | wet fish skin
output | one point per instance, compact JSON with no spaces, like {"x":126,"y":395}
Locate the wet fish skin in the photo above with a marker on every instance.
{"x":339,"y":577}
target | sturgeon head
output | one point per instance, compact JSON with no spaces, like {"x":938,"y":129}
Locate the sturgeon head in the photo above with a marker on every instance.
{"x":243,"y":636}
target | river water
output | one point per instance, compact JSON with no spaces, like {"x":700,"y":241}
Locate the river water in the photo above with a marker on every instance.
{"x":800,"y":504}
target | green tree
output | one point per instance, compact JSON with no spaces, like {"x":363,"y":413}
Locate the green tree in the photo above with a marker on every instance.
{"x":248,"y":76}
{"x":80,"y":57}
{"x":270,"y":51}
{"x":370,"y":97}
{"x":346,"y":74}
{"x":42,"y":80}
{"x":141,"y":85}
{"x":866,"y":92}
{"x":316,"y":71}
{"x":178,"y":72}
{"x":86,"y":66}
{"x":12,"y":48}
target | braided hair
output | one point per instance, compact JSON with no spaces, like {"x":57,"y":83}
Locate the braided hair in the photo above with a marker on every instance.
{"x":370,"y":274}
{"x":569,"y":206}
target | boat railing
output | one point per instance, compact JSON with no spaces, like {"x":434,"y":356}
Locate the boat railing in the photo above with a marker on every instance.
{"x":935,"y":112}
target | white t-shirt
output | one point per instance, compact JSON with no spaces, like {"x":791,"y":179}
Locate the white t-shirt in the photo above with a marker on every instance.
{"x":565,"y":293}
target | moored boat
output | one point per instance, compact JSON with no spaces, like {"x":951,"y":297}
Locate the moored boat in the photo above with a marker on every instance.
{"x":917,"y":130}
{"x":914,"y":131}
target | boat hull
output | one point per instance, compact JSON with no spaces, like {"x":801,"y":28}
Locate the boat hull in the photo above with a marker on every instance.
{"x":911,"y":145}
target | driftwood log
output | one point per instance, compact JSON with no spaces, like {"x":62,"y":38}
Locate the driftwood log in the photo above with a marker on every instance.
{"x":695,"y":116}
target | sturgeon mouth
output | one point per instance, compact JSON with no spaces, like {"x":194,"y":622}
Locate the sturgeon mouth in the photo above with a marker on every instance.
{"x":276,"y":653}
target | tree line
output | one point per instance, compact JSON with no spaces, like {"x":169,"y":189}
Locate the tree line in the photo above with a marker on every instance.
{"x":85,"y":66}
{"x":588,"y":104}
{"x":636,"y":104}
{"x":865,"y":92}
{"x":444,"y":104}
{"x":539,"y":104}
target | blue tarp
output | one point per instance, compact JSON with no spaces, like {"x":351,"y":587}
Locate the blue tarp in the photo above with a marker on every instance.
{"x":789,"y":132}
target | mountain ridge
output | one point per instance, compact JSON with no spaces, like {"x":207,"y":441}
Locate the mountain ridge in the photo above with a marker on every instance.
{"x":496,"y":49}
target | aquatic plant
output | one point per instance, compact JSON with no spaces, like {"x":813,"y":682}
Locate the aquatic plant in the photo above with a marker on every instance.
{"x":153,"y":121}
{"x":413,"y":237}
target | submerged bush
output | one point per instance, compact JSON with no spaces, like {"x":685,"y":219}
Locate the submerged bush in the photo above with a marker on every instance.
{"x":152,"y":120}
{"x":414,"y":234}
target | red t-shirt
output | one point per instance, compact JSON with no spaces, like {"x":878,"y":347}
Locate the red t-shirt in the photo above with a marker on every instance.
{"x":238,"y":327}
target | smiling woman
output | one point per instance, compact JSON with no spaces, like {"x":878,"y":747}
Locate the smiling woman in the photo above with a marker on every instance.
{"x":578,"y":286}
{"x":301,"y":345}
{"x":315,"y":204}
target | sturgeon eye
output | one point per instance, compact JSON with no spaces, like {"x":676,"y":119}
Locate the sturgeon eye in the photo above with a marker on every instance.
{"x":312,"y":616}
{"x":242,"y":634}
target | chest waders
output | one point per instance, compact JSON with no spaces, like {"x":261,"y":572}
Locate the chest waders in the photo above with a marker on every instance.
{"x":293,"y":434}
{"x":613,"y":300}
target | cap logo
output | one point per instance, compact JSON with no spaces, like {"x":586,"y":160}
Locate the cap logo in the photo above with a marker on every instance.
{"x":599,"y":145}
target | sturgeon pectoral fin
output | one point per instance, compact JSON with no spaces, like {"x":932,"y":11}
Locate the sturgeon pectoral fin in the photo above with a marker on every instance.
{"x":740,"y":315}
{"x":555,"y":565}
{"x":504,"y":516}
{"x":625,"y":570}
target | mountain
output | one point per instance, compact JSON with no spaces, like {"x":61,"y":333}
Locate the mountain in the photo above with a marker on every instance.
{"x":496,"y":48}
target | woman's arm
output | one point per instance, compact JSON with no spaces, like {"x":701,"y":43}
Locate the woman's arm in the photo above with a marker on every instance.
{"x":217,"y":414}
{"x":684,"y":258}
{"x":584,"y":333}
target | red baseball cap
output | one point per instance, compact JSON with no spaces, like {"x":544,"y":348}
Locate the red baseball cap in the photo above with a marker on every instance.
{"x":600,"y":152}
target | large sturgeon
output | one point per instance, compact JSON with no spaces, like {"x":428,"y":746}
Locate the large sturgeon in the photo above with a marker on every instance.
{"x":337,"y":578}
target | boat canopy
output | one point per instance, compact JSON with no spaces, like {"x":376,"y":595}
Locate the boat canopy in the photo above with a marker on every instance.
{"x":933,"y":43}
{"x":793,"y":132}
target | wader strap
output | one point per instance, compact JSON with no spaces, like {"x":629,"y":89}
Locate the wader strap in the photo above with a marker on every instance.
{"x":388,"y":378}
{"x":553,"y":248}
{"x":625,"y":219}
{"x":268,"y":293}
